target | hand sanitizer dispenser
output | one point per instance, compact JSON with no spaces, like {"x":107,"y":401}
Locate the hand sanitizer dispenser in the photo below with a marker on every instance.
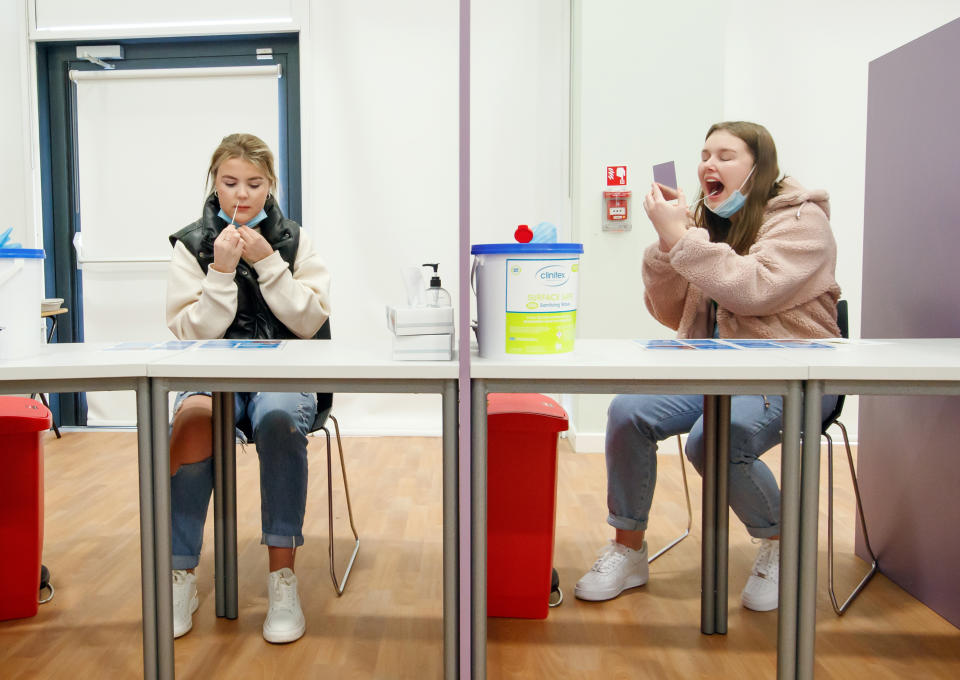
{"x":435,"y":296}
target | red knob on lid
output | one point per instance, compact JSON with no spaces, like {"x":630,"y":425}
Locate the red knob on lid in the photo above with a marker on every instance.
{"x":523,"y":234}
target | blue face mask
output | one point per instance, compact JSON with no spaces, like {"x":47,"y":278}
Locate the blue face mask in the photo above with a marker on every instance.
{"x":733,"y":202}
{"x":257,"y":219}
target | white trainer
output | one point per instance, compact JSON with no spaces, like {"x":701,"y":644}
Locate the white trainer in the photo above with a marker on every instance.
{"x":284,"y":622}
{"x":762,"y":592}
{"x":617,"y":569}
{"x":185,"y":601}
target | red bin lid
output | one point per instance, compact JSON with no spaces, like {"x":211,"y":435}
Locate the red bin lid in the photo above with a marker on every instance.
{"x":19,"y":414}
{"x":535,"y":411}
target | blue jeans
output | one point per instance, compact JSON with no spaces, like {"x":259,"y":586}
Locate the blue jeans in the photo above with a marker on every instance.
{"x":637,"y":422}
{"x":280,"y":422}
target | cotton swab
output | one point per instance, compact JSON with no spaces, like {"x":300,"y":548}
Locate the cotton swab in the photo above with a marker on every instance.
{"x":234,"y":218}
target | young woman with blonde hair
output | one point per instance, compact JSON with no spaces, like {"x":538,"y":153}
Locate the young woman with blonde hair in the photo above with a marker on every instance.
{"x":244,"y":271}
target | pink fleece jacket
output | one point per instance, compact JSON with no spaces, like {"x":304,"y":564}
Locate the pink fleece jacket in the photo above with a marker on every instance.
{"x":784,"y":287}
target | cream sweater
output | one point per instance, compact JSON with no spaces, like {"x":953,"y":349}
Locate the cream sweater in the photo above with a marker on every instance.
{"x":202,"y":307}
{"x":784,"y":287}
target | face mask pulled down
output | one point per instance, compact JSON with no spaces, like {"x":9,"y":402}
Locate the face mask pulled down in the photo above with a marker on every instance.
{"x":733,"y":202}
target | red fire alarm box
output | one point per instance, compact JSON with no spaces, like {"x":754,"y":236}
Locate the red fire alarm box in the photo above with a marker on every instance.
{"x":616,"y":210}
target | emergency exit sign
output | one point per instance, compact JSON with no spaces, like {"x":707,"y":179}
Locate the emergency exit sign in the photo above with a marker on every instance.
{"x":616,"y":175}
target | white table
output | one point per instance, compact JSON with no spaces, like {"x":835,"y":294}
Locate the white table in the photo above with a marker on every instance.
{"x":87,"y":367}
{"x":300,"y":366}
{"x":877,"y":367}
{"x":621,"y":367}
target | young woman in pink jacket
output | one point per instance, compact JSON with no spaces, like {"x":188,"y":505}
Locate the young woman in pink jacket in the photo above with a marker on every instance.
{"x":753,"y":258}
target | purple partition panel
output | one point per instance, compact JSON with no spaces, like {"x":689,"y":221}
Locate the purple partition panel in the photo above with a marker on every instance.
{"x":909,"y":462}
{"x":463,"y":352}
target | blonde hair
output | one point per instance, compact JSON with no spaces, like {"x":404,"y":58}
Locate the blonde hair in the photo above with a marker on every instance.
{"x":245,"y":147}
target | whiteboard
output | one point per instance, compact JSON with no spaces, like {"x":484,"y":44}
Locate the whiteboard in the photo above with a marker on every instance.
{"x":144,"y":144}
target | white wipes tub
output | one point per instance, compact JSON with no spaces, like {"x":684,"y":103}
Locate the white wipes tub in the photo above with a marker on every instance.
{"x":21,"y":291}
{"x":526,"y":297}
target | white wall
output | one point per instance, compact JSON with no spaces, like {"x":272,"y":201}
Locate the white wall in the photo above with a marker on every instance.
{"x":381,"y":187}
{"x":379,"y":88}
{"x":814,"y":101}
{"x":17,"y":149}
{"x":380,"y":128}
{"x":648,"y":81}
{"x":800,"y":69}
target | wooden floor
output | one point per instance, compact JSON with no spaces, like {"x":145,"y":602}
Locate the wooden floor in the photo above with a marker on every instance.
{"x":388,"y":623}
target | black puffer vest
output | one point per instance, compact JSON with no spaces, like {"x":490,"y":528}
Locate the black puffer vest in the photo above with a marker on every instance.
{"x":254,"y":320}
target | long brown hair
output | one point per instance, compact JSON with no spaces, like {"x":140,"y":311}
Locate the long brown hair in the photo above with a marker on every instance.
{"x":761,"y":187}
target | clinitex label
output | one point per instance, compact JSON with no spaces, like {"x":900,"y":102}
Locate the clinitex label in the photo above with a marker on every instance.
{"x":541,"y":305}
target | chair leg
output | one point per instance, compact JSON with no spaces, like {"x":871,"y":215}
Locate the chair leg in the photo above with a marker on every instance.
{"x":686,"y":491}
{"x":339,"y":586}
{"x":53,"y":423}
{"x":837,"y":607}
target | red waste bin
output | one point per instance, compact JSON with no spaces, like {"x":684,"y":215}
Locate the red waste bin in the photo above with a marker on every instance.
{"x":22,"y":425}
{"x":522,"y":431}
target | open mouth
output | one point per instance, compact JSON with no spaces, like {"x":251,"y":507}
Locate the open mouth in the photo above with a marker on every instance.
{"x":713,"y":187}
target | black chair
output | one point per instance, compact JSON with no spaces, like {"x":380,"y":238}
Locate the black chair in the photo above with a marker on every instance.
{"x":324,"y":406}
{"x":833,"y":419}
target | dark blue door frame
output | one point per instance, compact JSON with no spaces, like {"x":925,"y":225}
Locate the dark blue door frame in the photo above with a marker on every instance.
{"x":58,"y":161}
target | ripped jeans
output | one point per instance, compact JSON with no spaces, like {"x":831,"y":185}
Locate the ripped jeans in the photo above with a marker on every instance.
{"x":279,"y":422}
{"x":636,"y":422}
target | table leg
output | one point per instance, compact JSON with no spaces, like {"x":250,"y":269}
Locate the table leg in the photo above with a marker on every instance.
{"x":228,"y":441}
{"x":789,"y":532}
{"x":161,"y":515}
{"x":708,"y":550}
{"x":218,"y":542}
{"x":148,"y":571}
{"x":451,"y":612}
{"x":809,"y":520}
{"x":478,"y":492}
{"x":723,"y":511}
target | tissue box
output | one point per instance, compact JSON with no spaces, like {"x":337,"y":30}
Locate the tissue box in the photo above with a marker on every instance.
{"x":423,"y":347}
{"x":420,"y":320}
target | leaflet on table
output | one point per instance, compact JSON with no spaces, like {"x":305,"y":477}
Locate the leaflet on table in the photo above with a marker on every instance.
{"x":716,"y":344}
{"x":242,"y":344}
{"x":195,"y":344}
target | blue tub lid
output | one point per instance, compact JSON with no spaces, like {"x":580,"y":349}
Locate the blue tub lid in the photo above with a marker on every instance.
{"x":525,"y":248}
{"x":21,"y":253}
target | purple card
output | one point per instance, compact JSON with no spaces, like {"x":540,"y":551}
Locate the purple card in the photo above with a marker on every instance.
{"x":665,"y":174}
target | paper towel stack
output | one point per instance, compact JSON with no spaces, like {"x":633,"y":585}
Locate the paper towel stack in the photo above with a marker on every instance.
{"x":421,"y":333}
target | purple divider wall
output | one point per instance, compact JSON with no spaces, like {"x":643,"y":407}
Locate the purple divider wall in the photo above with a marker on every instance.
{"x":909,"y":456}
{"x":463,"y":352}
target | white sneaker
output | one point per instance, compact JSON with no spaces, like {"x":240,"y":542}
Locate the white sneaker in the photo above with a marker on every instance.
{"x":762,"y":592}
{"x":617,"y":569}
{"x":284,"y":622}
{"x":185,"y":601}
